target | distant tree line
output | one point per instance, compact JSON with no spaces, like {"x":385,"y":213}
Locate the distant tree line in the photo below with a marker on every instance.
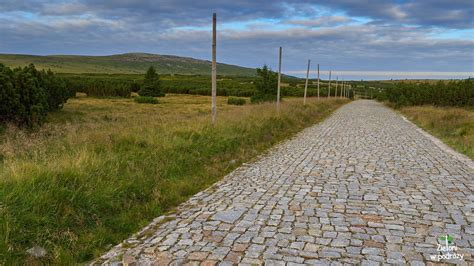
{"x":452,"y":93}
{"x":27,"y":95}
{"x":123,"y":85}
{"x":101,"y":88}
{"x":150,"y":84}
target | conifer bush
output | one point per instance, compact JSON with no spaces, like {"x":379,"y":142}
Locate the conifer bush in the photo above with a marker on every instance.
{"x":146,"y":99}
{"x":135,"y":86}
{"x":100,"y":88}
{"x":236,"y":101}
{"x":56,"y":89}
{"x":27,"y":95}
{"x":266,"y":85}
{"x":9,"y":96}
{"x":452,"y":93}
{"x":151,"y":85}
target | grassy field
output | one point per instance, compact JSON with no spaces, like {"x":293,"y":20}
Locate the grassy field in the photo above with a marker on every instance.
{"x":102,"y":168}
{"x":130,"y":63}
{"x":453,"y":125}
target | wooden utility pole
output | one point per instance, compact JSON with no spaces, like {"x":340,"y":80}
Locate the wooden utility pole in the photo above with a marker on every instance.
{"x":329,"y":89}
{"x":342,"y":87}
{"x":335,"y":93}
{"x":214,"y":71}
{"x":279,"y":81}
{"x":345,"y":88}
{"x":318,"y":81}
{"x":342,"y":84}
{"x":306,"y":84}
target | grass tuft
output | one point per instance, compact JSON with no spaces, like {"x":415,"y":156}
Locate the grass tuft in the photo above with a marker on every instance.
{"x":146,"y":99}
{"x":236,"y":101}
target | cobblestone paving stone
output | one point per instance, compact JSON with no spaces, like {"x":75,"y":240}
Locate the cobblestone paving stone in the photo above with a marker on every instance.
{"x":363,"y":187}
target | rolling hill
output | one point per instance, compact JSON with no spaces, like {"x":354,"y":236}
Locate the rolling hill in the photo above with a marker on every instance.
{"x":130,"y":63}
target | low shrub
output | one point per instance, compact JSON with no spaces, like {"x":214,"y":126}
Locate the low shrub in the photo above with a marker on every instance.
{"x":103,"y":89}
{"x":56,"y":90}
{"x":101,"y":86}
{"x":452,"y":93}
{"x":236,"y":101}
{"x":27,"y":95}
{"x":135,"y":86}
{"x":146,"y":99}
{"x":261,"y":98}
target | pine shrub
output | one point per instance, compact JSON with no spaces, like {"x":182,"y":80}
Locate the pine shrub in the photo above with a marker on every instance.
{"x":236,"y":101}
{"x":146,"y":99}
{"x":27,"y":95}
{"x":452,"y":93}
{"x":266,"y":85}
{"x":151,"y":85}
{"x":10,"y":105}
{"x":56,"y":89}
{"x":135,"y":86}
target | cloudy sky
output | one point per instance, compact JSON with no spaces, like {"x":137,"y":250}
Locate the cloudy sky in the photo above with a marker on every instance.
{"x":356,"y":39}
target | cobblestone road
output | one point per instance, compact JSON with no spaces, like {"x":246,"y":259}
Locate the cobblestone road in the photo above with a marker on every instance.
{"x":364,"y":186}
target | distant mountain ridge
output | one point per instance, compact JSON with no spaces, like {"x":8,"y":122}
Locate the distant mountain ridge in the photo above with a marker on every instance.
{"x":128,"y":63}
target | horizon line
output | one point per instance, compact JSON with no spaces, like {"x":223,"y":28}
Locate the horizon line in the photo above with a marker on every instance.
{"x":371,"y":74}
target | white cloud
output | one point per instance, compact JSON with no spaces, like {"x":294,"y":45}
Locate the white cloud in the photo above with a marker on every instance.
{"x":323,"y":21}
{"x":63,"y":9}
{"x":394,"y":37}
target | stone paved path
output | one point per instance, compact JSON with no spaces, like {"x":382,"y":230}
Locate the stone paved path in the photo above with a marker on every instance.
{"x":364,"y":186}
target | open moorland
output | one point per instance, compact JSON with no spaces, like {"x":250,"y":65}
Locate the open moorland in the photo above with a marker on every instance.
{"x":90,"y":162}
{"x":99,"y":169}
{"x":217,"y":133}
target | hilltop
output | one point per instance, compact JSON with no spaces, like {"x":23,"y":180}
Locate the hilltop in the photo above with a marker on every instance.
{"x":129,"y":63}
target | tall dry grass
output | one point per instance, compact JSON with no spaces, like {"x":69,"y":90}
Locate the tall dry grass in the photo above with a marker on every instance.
{"x":102,"y":168}
{"x":454,"y":125}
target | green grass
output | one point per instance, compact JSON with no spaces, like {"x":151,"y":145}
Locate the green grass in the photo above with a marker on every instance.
{"x":236,"y":101}
{"x":100,"y":169}
{"x":145,"y":99}
{"x":453,"y":125}
{"x":133,"y":63}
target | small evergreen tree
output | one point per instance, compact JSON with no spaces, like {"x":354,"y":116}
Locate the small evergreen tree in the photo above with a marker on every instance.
{"x":266,"y":85}
{"x":151,"y":85}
